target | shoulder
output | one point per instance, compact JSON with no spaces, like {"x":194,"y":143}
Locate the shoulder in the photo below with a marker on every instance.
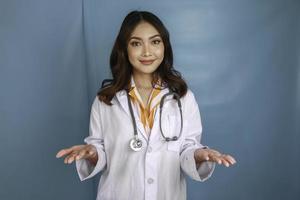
{"x":117,"y":98}
{"x":97,"y":104}
{"x":189,"y":102}
{"x":189,"y":96}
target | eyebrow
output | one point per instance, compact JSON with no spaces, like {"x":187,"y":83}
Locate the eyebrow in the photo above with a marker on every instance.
{"x":138,"y":38}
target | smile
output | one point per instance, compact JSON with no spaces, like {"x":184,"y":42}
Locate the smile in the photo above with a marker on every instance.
{"x":147,"y":62}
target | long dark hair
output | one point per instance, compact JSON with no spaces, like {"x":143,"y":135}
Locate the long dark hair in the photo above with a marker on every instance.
{"x":121,"y":68}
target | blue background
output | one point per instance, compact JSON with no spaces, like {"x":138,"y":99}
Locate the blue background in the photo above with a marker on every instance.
{"x":241,"y":59}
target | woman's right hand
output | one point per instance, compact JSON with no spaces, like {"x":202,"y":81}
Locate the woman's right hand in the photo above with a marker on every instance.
{"x":78,"y":152}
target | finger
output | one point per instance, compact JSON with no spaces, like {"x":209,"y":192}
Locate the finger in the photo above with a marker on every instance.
{"x":66,"y":159}
{"x":215,"y":158}
{"x":70,"y":158}
{"x":63,"y":152}
{"x":82,"y":154}
{"x":215,"y":152}
{"x":225,"y":162}
{"x":230,"y":159}
{"x":224,"y":159}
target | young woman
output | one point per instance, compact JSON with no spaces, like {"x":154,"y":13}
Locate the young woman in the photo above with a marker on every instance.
{"x":145,"y":125}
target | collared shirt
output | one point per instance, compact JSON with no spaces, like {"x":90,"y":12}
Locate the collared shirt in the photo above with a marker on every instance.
{"x":146,"y":112}
{"x":158,"y":170}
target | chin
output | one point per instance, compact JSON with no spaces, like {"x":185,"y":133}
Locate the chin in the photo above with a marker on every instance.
{"x":145,"y":70}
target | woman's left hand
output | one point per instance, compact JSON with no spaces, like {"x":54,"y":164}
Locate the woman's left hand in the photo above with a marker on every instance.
{"x":202,"y":155}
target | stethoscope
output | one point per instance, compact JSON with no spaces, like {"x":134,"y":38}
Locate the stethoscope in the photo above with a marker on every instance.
{"x":135,"y":143}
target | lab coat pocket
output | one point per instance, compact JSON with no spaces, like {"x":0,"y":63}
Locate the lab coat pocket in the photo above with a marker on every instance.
{"x":174,"y":130}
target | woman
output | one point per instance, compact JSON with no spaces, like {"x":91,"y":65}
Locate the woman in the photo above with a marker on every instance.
{"x":144,"y":150}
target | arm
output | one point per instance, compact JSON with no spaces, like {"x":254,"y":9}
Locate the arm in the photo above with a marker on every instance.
{"x":89,"y":168}
{"x":198,"y":161}
{"x":192,"y":130}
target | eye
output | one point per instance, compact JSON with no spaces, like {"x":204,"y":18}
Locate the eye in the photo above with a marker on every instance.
{"x":135,"y":43}
{"x":156,"y":42}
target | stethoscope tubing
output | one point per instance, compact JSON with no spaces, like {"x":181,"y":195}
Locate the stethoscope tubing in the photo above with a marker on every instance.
{"x":135,"y":143}
{"x":174,"y":138}
{"x":177,"y":97}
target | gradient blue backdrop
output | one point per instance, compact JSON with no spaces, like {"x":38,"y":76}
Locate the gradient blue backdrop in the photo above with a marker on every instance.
{"x":241,"y":58}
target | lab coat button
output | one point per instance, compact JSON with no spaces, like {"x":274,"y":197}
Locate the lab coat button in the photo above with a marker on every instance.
{"x":150,"y":180}
{"x":149,"y":149}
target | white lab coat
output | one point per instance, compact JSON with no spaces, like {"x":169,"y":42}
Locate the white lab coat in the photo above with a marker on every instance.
{"x":157,"y":172}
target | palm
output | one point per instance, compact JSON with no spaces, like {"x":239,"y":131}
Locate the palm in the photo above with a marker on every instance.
{"x":202,"y":155}
{"x":78,"y":152}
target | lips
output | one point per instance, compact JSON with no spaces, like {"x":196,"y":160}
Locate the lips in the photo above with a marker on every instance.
{"x":146,"y":62}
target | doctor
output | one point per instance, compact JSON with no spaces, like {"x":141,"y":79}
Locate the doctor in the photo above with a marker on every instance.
{"x":143,"y":141}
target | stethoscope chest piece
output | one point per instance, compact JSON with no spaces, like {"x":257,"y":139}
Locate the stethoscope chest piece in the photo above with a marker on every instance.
{"x":136,"y":144}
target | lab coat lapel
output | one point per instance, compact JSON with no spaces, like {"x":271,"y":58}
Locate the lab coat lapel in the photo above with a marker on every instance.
{"x":155,"y":131}
{"x":122,"y":98}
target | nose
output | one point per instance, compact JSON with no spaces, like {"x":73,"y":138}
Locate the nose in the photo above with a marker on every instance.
{"x":146,"y":50}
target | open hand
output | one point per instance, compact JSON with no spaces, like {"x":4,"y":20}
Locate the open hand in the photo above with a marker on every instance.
{"x":202,"y":155}
{"x":78,"y":152}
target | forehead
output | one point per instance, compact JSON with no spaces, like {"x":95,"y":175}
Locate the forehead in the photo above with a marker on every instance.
{"x":144,"y":29}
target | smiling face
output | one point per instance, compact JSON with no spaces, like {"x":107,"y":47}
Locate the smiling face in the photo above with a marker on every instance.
{"x":145,"y":49}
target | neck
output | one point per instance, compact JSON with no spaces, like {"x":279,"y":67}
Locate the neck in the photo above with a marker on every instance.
{"x":143,"y":80}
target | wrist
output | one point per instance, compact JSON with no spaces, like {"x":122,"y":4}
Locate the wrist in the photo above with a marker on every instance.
{"x":198,"y":156}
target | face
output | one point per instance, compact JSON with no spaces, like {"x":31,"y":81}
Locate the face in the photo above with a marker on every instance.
{"x":145,"y":49}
